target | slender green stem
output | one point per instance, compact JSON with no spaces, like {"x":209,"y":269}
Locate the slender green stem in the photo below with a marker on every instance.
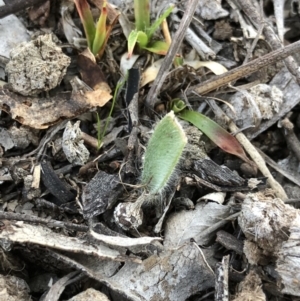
{"x":119,"y":85}
{"x":98,"y":131}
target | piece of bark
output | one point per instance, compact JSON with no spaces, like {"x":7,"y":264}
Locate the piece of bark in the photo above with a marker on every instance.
{"x":100,"y":194}
{"x":230,"y":242}
{"x":221,"y":178}
{"x":221,"y":285}
{"x":55,"y":185}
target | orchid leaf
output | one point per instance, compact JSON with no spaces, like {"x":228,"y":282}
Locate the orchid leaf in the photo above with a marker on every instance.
{"x":142,"y":14}
{"x":87,"y":20}
{"x":158,"y":47}
{"x":214,"y":132}
{"x":163,"y":153}
{"x":100,"y":34}
{"x":151,"y":30}
{"x":134,"y":38}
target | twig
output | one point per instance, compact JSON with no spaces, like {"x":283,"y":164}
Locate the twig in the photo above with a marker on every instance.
{"x":292,"y":177}
{"x":217,"y":225}
{"x":16,"y":6}
{"x":43,"y":221}
{"x":253,"y":153}
{"x":204,"y":259}
{"x":222,"y":280}
{"x":167,"y":62}
{"x":257,"y":158}
{"x":291,"y":138}
{"x":244,"y":70}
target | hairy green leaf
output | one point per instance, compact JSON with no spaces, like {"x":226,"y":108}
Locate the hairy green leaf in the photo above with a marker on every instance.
{"x":163,"y":153}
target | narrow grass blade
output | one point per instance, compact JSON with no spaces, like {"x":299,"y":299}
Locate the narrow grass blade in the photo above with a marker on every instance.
{"x":214,"y":132}
{"x":163,"y":153}
{"x":151,"y":30}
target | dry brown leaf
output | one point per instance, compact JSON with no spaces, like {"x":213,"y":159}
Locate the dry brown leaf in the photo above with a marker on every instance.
{"x":40,"y":113}
{"x":90,"y":72}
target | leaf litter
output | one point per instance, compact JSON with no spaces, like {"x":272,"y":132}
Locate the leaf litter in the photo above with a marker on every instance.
{"x":75,"y":127}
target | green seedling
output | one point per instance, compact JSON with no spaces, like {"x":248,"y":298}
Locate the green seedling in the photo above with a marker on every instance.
{"x":96,"y":35}
{"x":211,"y":129}
{"x":163,"y":153}
{"x":101,"y":133}
{"x":143,"y":32}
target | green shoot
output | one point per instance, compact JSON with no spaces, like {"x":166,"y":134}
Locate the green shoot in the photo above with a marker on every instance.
{"x":211,"y":129}
{"x":99,"y":139}
{"x":87,"y":20}
{"x":143,"y":32}
{"x":101,"y":32}
{"x":96,"y":34}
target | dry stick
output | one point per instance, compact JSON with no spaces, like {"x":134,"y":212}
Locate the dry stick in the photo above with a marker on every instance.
{"x":254,"y":154}
{"x":257,"y":158}
{"x":291,"y":138}
{"x":250,"y":10}
{"x":292,"y":177}
{"x":15,"y":6}
{"x":43,"y":221}
{"x":167,"y":62}
{"x":244,"y":70}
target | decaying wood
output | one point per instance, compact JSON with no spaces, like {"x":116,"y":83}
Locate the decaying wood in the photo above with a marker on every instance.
{"x":18,"y":232}
{"x":272,"y":229}
{"x":38,"y":220}
{"x":250,"y":289}
{"x":222,"y":280}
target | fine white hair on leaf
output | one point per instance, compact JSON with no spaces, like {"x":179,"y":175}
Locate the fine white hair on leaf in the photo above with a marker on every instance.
{"x":163,"y":153}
